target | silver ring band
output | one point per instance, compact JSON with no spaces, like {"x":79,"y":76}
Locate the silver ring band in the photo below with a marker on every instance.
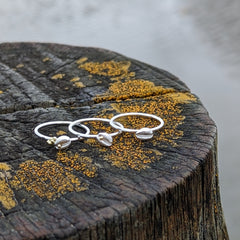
{"x":104,"y":138}
{"x":143,"y":133}
{"x":62,"y":141}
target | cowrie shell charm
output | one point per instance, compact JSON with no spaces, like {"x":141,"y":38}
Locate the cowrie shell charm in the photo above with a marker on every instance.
{"x":62,"y":142}
{"x":105,"y":139}
{"x":144,"y":133}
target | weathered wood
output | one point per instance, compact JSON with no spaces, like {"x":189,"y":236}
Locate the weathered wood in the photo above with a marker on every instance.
{"x":163,"y":188}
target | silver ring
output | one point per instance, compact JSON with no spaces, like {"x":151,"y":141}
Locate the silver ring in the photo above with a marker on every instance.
{"x":143,"y":133}
{"x":104,"y":138}
{"x":62,"y":141}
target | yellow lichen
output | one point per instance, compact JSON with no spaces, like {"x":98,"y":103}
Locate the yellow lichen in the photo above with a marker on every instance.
{"x":181,"y":97}
{"x":79,"y":84}
{"x":20,"y":65}
{"x":58,"y":76}
{"x":46,"y":179}
{"x":98,"y":126}
{"x":7,"y":198}
{"x":115,"y":70}
{"x":134,"y":88}
{"x":81,"y":60}
{"x":60,"y":132}
{"x":79,"y":163}
{"x":83,"y":150}
{"x":160,"y":101}
{"x":43,"y":72}
{"x":162,"y":106}
{"x":1,"y":92}
{"x":127,"y":151}
{"x":6,"y":195}
{"x":46,"y":59}
{"x":4,"y":167}
{"x":75,"y":79}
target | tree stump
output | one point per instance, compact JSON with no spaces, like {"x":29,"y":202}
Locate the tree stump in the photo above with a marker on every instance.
{"x":163,"y":188}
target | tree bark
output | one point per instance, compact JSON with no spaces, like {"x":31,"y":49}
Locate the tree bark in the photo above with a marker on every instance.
{"x":163,"y":188}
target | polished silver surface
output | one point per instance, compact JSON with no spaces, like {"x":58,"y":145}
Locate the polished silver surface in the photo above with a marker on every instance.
{"x":105,"y":139}
{"x":62,"y":142}
{"x":144,"y":133}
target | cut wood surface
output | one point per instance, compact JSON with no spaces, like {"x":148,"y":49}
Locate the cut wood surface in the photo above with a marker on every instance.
{"x":162,"y":188}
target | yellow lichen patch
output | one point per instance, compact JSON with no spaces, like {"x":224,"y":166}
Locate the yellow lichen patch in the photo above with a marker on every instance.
{"x":46,"y":179}
{"x":163,"y":102}
{"x":180,"y":97}
{"x":20,"y":65}
{"x":81,"y":60}
{"x":129,"y":152}
{"x":115,"y":70}
{"x":132,"y":89}
{"x":1,"y":92}
{"x":60,"y":132}
{"x":46,"y":59}
{"x":98,"y":126}
{"x":163,"y":106}
{"x":43,"y":72}
{"x":6,"y":194}
{"x":58,"y":76}
{"x":79,"y":163}
{"x":137,"y":122}
{"x":4,"y":167}
{"x":83,"y":150}
{"x":75,"y":79}
{"x":79,"y":84}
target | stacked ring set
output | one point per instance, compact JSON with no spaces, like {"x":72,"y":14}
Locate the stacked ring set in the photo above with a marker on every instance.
{"x":104,"y":138}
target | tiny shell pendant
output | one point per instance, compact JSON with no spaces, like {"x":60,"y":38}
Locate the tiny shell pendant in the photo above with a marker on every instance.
{"x":62,"y":142}
{"x":144,"y":133}
{"x":105,"y":139}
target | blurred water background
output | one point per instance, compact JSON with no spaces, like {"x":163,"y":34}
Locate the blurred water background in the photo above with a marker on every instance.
{"x":196,"y":40}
